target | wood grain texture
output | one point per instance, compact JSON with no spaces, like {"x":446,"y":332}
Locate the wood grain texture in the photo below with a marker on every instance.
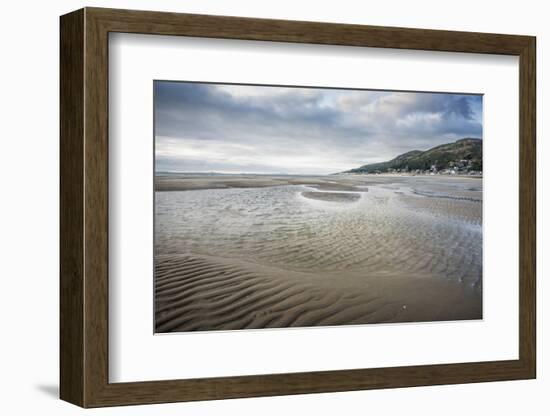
{"x":162,"y":23}
{"x":96,"y":209}
{"x":84,"y":207}
{"x":71,"y":203}
{"x":527,"y":208}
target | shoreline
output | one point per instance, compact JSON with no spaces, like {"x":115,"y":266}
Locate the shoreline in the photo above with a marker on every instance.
{"x":340,"y":182}
{"x":418,"y":175}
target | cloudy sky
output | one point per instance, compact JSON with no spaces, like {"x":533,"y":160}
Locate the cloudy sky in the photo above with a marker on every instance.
{"x":260,"y":129}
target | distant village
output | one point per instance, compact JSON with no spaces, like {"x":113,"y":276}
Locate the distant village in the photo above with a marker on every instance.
{"x":457,"y":167}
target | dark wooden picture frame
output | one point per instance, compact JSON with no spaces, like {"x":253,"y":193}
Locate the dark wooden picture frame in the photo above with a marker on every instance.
{"x":84,"y":207}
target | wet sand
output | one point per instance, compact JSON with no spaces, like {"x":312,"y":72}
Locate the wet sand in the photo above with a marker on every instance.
{"x":187,"y":183}
{"x":332,"y":196}
{"x":272,"y":252}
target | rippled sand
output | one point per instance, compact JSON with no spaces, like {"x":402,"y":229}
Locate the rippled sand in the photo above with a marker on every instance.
{"x":316,"y":251}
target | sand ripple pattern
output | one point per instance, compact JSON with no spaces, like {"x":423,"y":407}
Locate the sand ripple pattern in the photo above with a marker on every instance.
{"x":198,"y":293}
{"x":220,"y":253}
{"x":214,"y":295}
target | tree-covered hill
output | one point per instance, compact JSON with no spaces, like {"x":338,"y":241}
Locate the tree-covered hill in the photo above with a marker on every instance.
{"x":462,"y":155}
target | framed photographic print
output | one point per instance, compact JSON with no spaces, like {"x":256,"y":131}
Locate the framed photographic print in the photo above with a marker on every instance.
{"x":255,"y":207}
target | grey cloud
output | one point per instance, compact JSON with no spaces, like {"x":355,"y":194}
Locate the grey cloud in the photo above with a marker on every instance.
{"x":297,"y":130}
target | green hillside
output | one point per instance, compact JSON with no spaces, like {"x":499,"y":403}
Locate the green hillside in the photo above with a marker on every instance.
{"x":462,"y":155}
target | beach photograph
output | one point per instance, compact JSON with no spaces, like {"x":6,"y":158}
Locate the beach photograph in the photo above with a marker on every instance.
{"x":284,"y":206}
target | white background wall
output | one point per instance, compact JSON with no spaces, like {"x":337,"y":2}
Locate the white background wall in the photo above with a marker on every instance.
{"x":29,"y":207}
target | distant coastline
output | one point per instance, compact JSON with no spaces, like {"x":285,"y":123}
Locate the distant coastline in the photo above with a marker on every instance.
{"x":462,"y":157}
{"x":476,"y":174}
